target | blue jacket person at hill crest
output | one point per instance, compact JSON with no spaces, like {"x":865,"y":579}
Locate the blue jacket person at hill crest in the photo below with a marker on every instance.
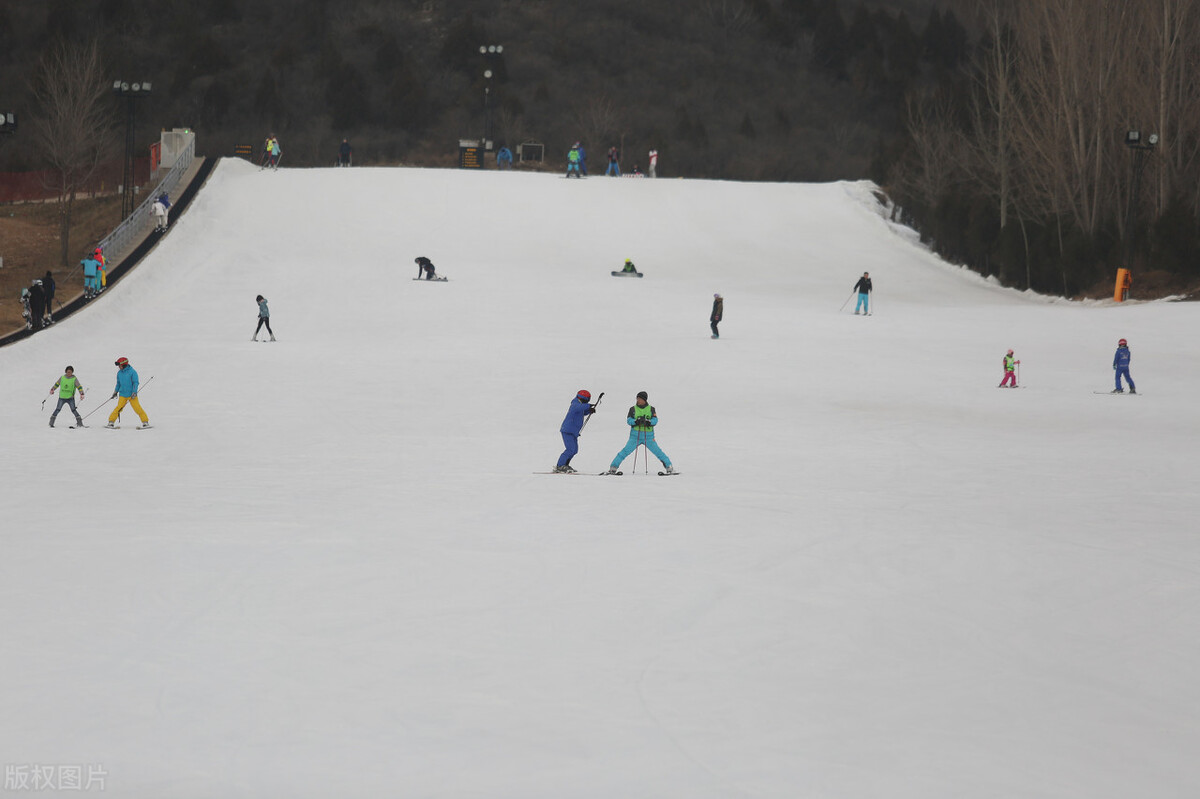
{"x":1121,"y":367}
{"x":127,"y":387}
{"x":641,"y":420}
{"x":572,"y":425}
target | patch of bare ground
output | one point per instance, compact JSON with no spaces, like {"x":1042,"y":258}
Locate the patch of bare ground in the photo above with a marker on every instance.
{"x":29,"y":245}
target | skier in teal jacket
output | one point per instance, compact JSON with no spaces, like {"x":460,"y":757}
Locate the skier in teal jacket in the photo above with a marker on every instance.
{"x":641,"y":420}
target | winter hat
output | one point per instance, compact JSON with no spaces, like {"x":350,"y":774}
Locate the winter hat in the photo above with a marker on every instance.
{"x":584,"y":394}
{"x":1122,"y":343}
{"x":1010,"y":352}
{"x":643,"y":395}
{"x":716,"y":296}
{"x":69,"y":369}
{"x":259,"y":298}
{"x":122,"y":361}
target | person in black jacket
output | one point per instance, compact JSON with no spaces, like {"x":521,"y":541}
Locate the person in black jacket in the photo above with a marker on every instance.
{"x":717,"y":312}
{"x":344,"y":153}
{"x":37,"y":304}
{"x":48,"y":287}
{"x":425,"y":265}
{"x":863,"y":286}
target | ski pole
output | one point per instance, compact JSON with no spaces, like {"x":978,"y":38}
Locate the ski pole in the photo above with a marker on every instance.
{"x":46,"y":398}
{"x":847,"y":302}
{"x":98,"y":407}
{"x":589,"y":416}
{"x":1018,"y":373}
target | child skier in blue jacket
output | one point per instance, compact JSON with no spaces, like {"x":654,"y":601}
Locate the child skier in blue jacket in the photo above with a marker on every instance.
{"x":572,"y":426}
{"x":1121,"y":367}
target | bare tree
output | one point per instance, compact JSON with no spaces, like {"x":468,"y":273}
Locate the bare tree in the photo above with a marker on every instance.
{"x":599,"y":119}
{"x":72,"y":126}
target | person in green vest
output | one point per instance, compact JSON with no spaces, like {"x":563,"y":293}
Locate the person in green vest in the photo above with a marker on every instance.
{"x":1010,"y":375}
{"x":67,"y":385}
{"x":641,"y":420}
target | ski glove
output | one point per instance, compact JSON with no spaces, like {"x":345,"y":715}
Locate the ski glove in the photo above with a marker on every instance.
{"x":114,"y":396}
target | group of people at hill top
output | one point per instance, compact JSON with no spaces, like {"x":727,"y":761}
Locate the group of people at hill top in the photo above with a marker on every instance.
{"x":577,"y":163}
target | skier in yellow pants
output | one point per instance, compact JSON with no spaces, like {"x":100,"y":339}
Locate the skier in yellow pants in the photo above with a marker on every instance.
{"x":127,"y":387}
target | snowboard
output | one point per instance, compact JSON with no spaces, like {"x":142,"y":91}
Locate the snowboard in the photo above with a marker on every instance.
{"x":1119,"y":393}
{"x":435,"y":280}
{"x":626,"y":274}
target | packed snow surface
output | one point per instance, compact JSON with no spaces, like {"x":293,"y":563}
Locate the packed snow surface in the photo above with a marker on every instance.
{"x":331,"y":568}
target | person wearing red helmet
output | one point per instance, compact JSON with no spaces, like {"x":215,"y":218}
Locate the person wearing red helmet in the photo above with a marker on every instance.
{"x":581,"y":407}
{"x":1009,"y":373}
{"x":127,"y":387}
{"x":1121,"y":367}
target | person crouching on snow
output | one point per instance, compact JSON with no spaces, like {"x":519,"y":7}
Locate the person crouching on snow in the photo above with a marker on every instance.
{"x":641,"y":420}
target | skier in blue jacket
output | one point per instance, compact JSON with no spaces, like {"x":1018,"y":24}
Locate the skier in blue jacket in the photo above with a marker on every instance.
{"x":572,"y":426}
{"x":1121,"y":367}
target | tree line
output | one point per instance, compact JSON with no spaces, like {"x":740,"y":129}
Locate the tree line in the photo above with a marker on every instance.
{"x":1022,"y":165}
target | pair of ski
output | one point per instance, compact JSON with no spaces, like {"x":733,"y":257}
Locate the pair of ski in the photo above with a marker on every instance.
{"x":606,"y":474}
{"x":106,"y":427}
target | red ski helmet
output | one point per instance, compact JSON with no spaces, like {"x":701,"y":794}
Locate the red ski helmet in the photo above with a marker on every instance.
{"x":1122,"y":343}
{"x":584,"y":394}
{"x":1010,"y":352}
{"x":122,"y":361}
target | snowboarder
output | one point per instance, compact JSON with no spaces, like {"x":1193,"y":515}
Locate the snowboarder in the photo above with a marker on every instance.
{"x":1010,"y":374}
{"x":582,"y":159}
{"x":25,"y":308}
{"x":653,"y":163}
{"x":67,"y":385}
{"x":629,"y":267}
{"x":345,"y":153}
{"x":91,"y":278}
{"x":1121,"y":367}
{"x":127,"y":388}
{"x":863,"y":287}
{"x":718,"y":311}
{"x":425,"y":265}
{"x":580,"y":408}
{"x":504,"y":158}
{"x":614,"y":163}
{"x":264,"y":318}
{"x":641,"y":420}
{"x":161,"y":206}
{"x":573,"y":160}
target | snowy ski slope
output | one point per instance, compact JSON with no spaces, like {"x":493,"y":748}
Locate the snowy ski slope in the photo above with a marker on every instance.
{"x":329,"y":570}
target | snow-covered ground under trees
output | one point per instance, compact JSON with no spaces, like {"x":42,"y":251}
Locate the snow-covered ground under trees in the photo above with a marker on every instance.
{"x":331,"y":570}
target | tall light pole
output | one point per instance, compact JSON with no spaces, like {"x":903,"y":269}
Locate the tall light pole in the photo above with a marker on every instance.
{"x":1138,"y":148}
{"x":490,"y":52}
{"x":131,"y":92}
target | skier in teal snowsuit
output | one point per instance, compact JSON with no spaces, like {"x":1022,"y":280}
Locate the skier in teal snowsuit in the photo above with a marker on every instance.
{"x":641,"y":420}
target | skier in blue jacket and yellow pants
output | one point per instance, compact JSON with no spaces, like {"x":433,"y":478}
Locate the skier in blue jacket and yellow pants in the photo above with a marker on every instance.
{"x":641,"y":421}
{"x":127,"y":387}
